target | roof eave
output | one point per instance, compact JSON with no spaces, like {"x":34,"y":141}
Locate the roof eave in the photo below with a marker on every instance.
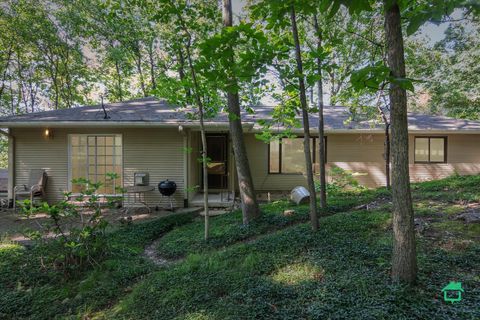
{"x":208,"y":125}
{"x":116,"y":124}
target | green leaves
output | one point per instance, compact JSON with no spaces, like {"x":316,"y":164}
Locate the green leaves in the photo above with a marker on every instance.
{"x":434,"y":10}
{"x":240,"y":52}
{"x":375,"y":77}
{"x":370,"y":77}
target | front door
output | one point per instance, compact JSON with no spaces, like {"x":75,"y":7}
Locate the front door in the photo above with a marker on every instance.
{"x":217,"y":153}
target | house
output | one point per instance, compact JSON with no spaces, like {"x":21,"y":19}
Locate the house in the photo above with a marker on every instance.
{"x":150,"y":136}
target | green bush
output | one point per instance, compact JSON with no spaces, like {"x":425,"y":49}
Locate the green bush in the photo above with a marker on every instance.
{"x":74,"y":247}
{"x":340,"y":180}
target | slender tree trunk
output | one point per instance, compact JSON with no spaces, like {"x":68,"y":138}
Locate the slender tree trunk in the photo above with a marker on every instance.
{"x":138,"y":61}
{"x":5,"y":70}
{"x":387,"y":154}
{"x":386,"y":143}
{"x":119,"y":80}
{"x":152,"y":65}
{"x":306,"y":124}
{"x":198,"y":100}
{"x":404,"y":262}
{"x":250,"y":208}
{"x":321,"y":131}
{"x":181,"y":70}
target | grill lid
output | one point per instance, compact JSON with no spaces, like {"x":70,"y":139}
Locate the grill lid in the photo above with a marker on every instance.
{"x":167,"y":187}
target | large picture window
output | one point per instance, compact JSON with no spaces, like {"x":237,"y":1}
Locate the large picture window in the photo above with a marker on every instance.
{"x":92,"y":157}
{"x":287,"y":156}
{"x":430,"y":149}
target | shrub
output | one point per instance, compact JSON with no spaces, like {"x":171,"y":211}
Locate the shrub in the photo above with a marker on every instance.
{"x":75,"y":235}
{"x":340,"y":180}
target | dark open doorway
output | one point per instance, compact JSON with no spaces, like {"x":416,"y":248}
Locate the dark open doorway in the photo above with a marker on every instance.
{"x":217,"y":152}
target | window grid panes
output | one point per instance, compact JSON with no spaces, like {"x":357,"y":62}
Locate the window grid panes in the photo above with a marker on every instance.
{"x":93,"y":156}
{"x":430,"y":149}
{"x":287,"y":155}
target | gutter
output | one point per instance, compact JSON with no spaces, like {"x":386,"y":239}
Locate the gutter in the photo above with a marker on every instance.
{"x":125,"y":124}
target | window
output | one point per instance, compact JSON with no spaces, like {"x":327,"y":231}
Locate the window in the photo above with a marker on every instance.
{"x":92,"y":157}
{"x":430,"y":149}
{"x":287,"y":156}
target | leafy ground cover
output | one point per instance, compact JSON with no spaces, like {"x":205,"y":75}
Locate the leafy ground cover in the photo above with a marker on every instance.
{"x":29,"y":291}
{"x":226,"y":230}
{"x":274,"y":269}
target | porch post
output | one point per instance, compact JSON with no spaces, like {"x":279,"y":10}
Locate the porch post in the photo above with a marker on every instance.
{"x":186,"y":156}
{"x":11,"y":165}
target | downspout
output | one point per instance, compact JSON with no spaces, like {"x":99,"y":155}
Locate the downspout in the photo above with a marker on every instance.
{"x":11,"y":164}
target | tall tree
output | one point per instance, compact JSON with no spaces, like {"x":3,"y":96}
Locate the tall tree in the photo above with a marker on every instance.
{"x":190,"y":87}
{"x":321,"y":132}
{"x":306,"y":121}
{"x":250,"y":208}
{"x":404,"y":259}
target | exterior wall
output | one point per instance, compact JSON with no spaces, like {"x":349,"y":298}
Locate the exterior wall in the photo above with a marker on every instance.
{"x":363,"y":154}
{"x":463,"y":157}
{"x":156,"y":151}
{"x":160,"y":152}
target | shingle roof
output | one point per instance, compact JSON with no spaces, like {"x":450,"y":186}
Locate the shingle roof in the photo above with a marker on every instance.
{"x":151,"y":111}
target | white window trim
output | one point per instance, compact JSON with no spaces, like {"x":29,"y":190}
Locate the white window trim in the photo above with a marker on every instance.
{"x":69,"y":155}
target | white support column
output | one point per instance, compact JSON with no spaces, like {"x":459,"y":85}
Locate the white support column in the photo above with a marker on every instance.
{"x":11,"y":164}
{"x":185,"y":166}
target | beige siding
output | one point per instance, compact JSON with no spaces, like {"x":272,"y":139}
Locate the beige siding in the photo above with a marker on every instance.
{"x":156,"y":151}
{"x":160,"y":153}
{"x":463,"y":157}
{"x":360,"y":153}
{"x":34,"y":151}
{"x":258,"y":156}
{"x":363,"y":154}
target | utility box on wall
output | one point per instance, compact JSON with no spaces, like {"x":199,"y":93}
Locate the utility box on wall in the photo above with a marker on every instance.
{"x":140,"y":179}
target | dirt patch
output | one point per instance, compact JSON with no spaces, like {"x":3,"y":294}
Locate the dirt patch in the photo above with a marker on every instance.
{"x":376,"y":204}
{"x":151,"y":254}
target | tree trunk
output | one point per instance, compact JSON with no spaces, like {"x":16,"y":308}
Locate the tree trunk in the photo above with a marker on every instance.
{"x":152,"y":65}
{"x":250,"y":207}
{"x":119,"y":80}
{"x":321,"y":131}
{"x":306,"y":124}
{"x":181,"y":70}
{"x":5,"y":70}
{"x":404,"y":263}
{"x":138,"y":61}
{"x":387,"y":155}
{"x":199,"y":103}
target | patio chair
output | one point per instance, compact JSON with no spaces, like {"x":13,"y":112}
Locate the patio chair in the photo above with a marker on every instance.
{"x":35,"y":188}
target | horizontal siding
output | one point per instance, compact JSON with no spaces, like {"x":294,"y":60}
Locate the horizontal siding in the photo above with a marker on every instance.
{"x":160,"y":153}
{"x":156,"y":151}
{"x":363,"y":155}
{"x":360,"y":153}
{"x":463,"y":157}
{"x":34,"y":151}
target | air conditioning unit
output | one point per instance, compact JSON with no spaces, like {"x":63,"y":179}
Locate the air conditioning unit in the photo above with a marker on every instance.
{"x":140,"y":179}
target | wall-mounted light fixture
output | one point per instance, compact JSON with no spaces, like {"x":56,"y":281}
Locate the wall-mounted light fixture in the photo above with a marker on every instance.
{"x":48,"y":133}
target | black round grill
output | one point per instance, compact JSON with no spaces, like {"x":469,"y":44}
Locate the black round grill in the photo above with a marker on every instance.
{"x":167,"y":188}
